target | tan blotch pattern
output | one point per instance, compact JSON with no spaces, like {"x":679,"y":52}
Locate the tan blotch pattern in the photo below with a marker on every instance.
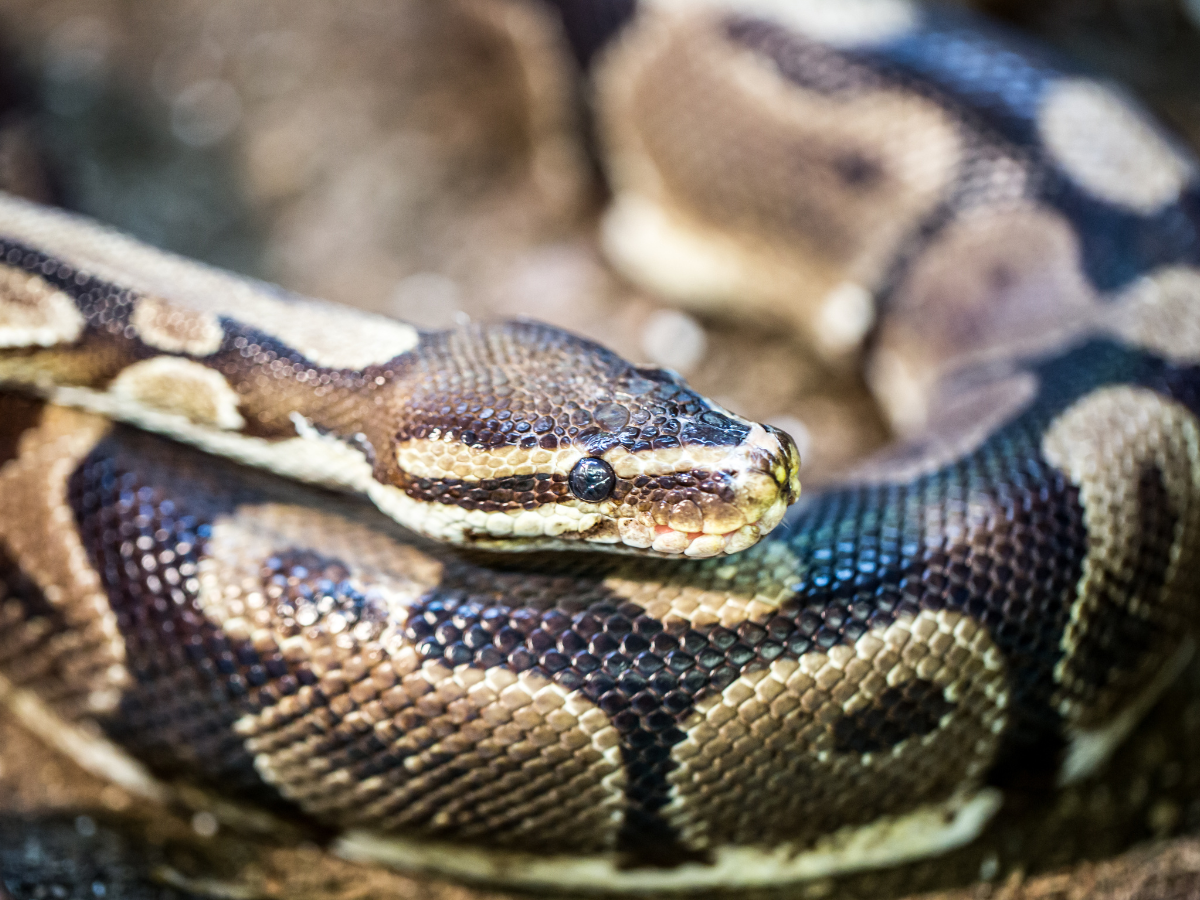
{"x":1109,"y":148}
{"x":175,"y":385}
{"x":37,"y":531}
{"x":992,"y":284}
{"x":491,"y":756}
{"x":33,"y":313}
{"x":800,"y":192}
{"x":1105,"y":444}
{"x":1158,"y":313}
{"x":327,"y":334}
{"x":176,"y":329}
{"x":760,"y":761}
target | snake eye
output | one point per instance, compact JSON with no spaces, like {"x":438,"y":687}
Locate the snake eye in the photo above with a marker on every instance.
{"x":592,"y":479}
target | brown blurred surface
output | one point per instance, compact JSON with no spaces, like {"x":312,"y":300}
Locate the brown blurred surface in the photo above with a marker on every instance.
{"x":417,"y":158}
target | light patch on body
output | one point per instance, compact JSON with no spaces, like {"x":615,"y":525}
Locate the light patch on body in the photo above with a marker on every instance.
{"x":33,"y":313}
{"x":171,"y":384}
{"x":38,"y":529}
{"x":725,"y":601}
{"x":336,"y":337}
{"x":846,"y":23}
{"x":327,"y":334}
{"x":845,"y":317}
{"x":85,"y":746}
{"x":670,"y":254}
{"x":926,"y":831}
{"x":489,"y":755}
{"x":1104,"y":444}
{"x":176,"y":329}
{"x":992,"y":284}
{"x":1158,"y":312}
{"x":1089,"y":749}
{"x":1109,"y":147}
{"x":961,"y":417}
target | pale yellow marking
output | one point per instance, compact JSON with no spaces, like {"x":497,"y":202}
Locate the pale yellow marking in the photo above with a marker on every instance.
{"x":843,"y":23}
{"x":171,"y":384}
{"x":327,"y":334}
{"x":33,"y":313}
{"x":1109,"y":147}
{"x":757,"y":465}
{"x":927,"y":830}
{"x":176,"y":329}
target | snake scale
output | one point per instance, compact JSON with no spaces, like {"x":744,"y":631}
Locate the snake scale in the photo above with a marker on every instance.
{"x":1014,"y":582}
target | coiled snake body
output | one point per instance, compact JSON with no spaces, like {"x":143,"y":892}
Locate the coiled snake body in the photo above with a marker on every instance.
{"x":1020,"y":575}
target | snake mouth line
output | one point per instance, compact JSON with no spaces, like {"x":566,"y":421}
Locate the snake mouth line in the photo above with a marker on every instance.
{"x":698,"y":544}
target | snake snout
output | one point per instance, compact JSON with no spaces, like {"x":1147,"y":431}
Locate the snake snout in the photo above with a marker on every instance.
{"x":785,"y":465}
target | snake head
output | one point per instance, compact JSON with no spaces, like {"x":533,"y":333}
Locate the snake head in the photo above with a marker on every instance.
{"x":522,"y":436}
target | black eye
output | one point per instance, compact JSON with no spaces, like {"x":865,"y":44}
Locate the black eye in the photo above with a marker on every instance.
{"x":592,"y":479}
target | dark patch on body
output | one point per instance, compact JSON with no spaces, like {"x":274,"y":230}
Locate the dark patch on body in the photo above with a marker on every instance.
{"x":996,"y":80}
{"x":646,"y":675}
{"x":28,"y":626}
{"x":145,"y":531}
{"x":308,"y":589}
{"x":898,"y":713}
{"x":18,"y":414}
{"x":1125,"y":628}
{"x":590,"y":26}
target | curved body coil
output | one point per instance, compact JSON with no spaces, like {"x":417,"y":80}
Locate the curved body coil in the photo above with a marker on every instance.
{"x":1016,"y":581}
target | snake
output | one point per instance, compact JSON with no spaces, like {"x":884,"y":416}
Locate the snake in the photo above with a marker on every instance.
{"x":456,"y":676}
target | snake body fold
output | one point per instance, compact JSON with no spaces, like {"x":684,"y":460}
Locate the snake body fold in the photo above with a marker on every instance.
{"x":1015,"y":582}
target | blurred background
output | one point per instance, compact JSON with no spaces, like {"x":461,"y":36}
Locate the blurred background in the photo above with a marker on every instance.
{"x":429,"y":159}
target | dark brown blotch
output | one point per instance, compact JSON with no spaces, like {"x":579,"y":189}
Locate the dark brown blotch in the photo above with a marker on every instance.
{"x":17,"y":415}
{"x":912,"y":710}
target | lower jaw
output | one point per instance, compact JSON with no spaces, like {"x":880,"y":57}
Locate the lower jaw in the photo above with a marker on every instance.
{"x":668,"y":541}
